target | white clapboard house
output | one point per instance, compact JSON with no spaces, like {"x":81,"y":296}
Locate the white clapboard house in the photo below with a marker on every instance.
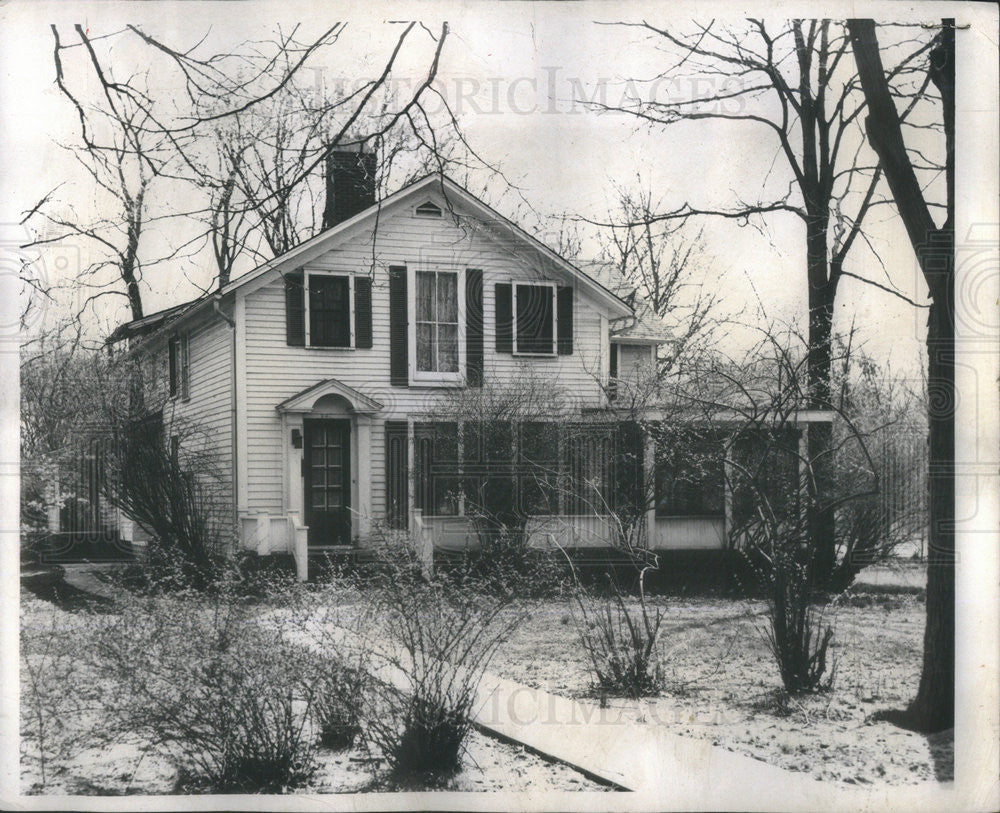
{"x":313,"y":374}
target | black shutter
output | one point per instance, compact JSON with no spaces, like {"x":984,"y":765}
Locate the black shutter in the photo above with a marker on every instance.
{"x":399,"y":375}
{"x":397,"y":502}
{"x":474,"y":327}
{"x":613,"y":373}
{"x":295,"y":310}
{"x":564,"y":318}
{"x":172,"y":348}
{"x":505,"y":318}
{"x":362,"y":312}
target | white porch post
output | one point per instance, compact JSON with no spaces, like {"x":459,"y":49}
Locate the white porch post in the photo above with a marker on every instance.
{"x":293,"y":470}
{"x":363,"y":510}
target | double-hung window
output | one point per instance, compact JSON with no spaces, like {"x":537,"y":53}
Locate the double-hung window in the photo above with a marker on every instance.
{"x":329,"y":309}
{"x":535,"y":319}
{"x":437,"y":308}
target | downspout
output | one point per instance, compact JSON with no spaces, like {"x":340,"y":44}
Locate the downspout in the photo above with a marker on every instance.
{"x":232,"y":413}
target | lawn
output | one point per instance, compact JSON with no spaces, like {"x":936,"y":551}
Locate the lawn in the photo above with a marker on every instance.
{"x":722,"y":684}
{"x":83,"y":757}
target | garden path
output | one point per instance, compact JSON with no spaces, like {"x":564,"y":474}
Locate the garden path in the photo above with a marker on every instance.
{"x":670,"y":770}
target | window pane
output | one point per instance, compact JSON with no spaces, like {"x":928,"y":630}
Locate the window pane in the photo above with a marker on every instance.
{"x":329,"y":311}
{"x":425,"y":296}
{"x":425,"y":347}
{"x":447,"y":301}
{"x":448,"y":348}
{"x":534,"y":319}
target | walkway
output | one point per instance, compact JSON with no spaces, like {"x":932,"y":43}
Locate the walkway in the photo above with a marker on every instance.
{"x":602,"y":744}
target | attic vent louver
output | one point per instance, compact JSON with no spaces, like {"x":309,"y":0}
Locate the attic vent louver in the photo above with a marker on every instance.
{"x":428,"y":209}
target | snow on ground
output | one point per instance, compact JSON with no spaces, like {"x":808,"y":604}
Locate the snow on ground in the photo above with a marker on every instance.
{"x":723,"y":685}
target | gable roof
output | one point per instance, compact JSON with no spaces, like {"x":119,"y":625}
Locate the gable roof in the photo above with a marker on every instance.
{"x":303,"y":401}
{"x":315,"y":246}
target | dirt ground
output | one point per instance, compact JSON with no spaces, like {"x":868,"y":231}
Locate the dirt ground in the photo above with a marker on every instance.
{"x":722,"y":685}
{"x":77,"y":765}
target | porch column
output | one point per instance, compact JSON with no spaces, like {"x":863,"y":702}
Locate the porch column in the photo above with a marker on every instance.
{"x":364,"y":469}
{"x":293,"y":470}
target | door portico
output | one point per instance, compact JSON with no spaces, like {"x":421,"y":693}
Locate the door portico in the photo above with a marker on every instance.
{"x":326,"y":431}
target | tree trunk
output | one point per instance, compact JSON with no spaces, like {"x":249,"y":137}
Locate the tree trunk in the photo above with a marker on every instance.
{"x":934,"y":706}
{"x":933,"y":709}
{"x":820,"y":520}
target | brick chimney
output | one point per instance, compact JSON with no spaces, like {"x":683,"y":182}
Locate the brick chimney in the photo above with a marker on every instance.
{"x":350,"y":184}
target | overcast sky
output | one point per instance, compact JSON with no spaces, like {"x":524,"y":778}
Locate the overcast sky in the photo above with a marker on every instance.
{"x":515,"y":73}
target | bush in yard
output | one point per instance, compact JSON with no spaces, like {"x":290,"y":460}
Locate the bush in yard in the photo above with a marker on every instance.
{"x":234,"y":701}
{"x":621,"y":642}
{"x":440,"y":635}
{"x":337,"y":703}
{"x":778,"y":553}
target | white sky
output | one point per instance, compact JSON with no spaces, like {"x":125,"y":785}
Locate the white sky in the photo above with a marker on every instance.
{"x":502,"y":60}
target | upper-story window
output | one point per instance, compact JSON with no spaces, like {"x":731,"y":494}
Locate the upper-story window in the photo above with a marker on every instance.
{"x":177,"y":362}
{"x":329,"y":310}
{"x":438,"y":304}
{"x":535,"y":318}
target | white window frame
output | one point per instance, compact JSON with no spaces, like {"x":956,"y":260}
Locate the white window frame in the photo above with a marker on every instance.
{"x":423,"y":377}
{"x":350,"y":304}
{"x":555,"y":317}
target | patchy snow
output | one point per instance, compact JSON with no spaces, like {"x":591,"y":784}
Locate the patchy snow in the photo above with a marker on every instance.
{"x":125,"y":767}
{"x":723,"y":685}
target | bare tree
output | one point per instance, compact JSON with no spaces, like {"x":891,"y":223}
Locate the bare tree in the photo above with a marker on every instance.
{"x":933,"y":709}
{"x":243,"y":130}
{"x":795,"y":85}
{"x":659,"y":263}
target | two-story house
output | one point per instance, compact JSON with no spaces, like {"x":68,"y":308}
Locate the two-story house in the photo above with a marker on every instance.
{"x":313,"y":373}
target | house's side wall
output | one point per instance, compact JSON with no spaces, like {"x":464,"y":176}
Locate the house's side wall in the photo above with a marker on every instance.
{"x":276,"y":371}
{"x":202,"y":422}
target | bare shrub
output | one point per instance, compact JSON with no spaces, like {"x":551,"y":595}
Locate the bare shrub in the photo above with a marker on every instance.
{"x":59,"y":695}
{"x":621,"y":641}
{"x":439,"y":636}
{"x":797,"y":635}
{"x":232,"y":700}
{"x":339,"y":690}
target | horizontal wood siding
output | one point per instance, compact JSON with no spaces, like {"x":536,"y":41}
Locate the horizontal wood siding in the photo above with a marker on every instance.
{"x":276,"y":371}
{"x":206,"y":415}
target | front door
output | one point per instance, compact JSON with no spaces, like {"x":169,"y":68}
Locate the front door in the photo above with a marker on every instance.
{"x":327,"y":472}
